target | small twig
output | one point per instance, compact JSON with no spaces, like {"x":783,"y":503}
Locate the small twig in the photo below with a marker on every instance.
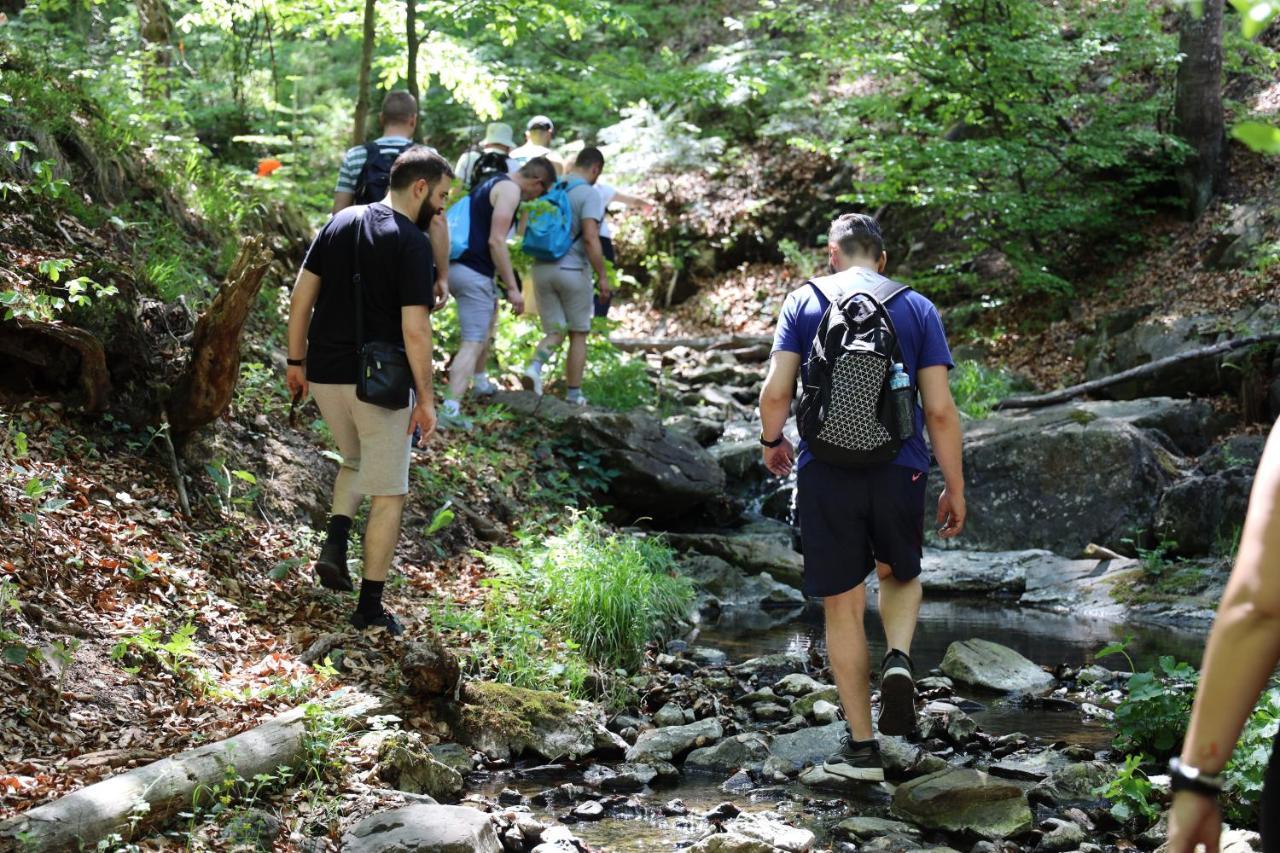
{"x":174,"y":468}
{"x":321,"y":647}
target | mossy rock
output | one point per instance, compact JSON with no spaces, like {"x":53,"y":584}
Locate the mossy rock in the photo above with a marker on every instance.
{"x":504,"y":721}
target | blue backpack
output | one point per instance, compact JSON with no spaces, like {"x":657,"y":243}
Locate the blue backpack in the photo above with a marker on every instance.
{"x":459,"y":218}
{"x":549,"y":234}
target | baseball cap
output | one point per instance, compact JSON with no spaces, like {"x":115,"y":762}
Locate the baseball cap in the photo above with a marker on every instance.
{"x":540,"y":122}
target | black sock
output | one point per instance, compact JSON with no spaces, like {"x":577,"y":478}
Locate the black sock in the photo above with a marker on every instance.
{"x":339,"y":527}
{"x":370,"y":603}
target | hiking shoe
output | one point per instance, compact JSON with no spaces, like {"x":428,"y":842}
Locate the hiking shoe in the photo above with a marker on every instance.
{"x":331,"y":566}
{"x":483,"y":387}
{"x":858,"y":761}
{"x":531,"y":380}
{"x":897,"y":695}
{"x":381,"y":620}
{"x":576,"y":401}
{"x":446,"y":420}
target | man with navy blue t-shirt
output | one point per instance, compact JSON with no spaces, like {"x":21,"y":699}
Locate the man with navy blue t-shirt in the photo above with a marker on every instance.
{"x":856,"y":520}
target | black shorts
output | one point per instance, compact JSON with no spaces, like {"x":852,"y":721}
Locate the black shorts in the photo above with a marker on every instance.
{"x":852,"y":517}
{"x":606,"y":249}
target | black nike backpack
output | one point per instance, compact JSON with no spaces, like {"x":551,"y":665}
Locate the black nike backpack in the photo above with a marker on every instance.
{"x":375,"y":175}
{"x":488,"y":164}
{"x":846,"y":412}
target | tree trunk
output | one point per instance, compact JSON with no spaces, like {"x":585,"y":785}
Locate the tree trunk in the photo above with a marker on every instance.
{"x":1198,"y":109}
{"x":362,"y":80}
{"x":60,"y":353}
{"x":411,"y":74}
{"x":204,"y":391}
{"x":158,"y":790}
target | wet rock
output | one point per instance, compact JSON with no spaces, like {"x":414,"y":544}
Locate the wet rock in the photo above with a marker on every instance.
{"x":807,"y":746}
{"x":625,"y":778}
{"x":1035,"y":492}
{"x":969,"y":572}
{"x":666,"y":743}
{"x":818,"y":778}
{"x":558,"y":839}
{"x":777,"y":769}
{"x":769,"y":711}
{"x":770,"y":668}
{"x":1030,"y":768}
{"x":1060,"y":835}
{"x":964,"y":800}
{"x":868,"y":828}
{"x":722,"y":812}
{"x":253,"y":828}
{"x":510,"y":797}
{"x":1095,"y":674}
{"x":649,"y":459}
{"x":741,"y":461}
{"x":991,"y":665}
{"x":731,"y":842}
{"x":935,"y":682}
{"x":776,"y":834}
{"x":763,"y":545}
{"x":590,"y":810}
{"x":705,"y":431}
{"x":1074,"y":783}
{"x":748,"y":751}
{"x":825,"y":712}
{"x":705,"y":656}
{"x":669,"y":714}
{"x":444,"y":829}
{"x":726,"y":585}
{"x":1201,"y":511}
{"x":406,"y":765}
{"x":960,"y":727}
{"x":675,"y":808}
{"x":805,"y":704}
{"x":738,"y":783}
{"x":797,"y":684}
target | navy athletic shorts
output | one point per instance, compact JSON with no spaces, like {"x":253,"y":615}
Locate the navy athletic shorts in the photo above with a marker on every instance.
{"x":852,"y":517}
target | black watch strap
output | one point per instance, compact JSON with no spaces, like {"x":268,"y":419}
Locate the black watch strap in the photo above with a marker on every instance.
{"x":295,"y":362}
{"x":773,"y":443}
{"x":1184,"y":778}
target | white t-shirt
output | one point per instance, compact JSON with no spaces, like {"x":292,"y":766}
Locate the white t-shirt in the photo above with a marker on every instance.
{"x":606,"y":196}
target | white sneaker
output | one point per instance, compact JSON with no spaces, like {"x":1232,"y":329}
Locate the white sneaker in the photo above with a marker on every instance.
{"x":579,"y":400}
{"x":531,"y":379}
{"x":482,"y":387}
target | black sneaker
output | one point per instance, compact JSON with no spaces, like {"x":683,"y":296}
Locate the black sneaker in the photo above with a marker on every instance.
{"x":381,"y":620}
{"x":331,"y":565}
{"x":897,"y":695}
{"x":858,"y":761}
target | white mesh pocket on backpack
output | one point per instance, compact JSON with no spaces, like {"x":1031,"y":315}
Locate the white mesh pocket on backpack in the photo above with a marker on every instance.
{"x":851,"y":423}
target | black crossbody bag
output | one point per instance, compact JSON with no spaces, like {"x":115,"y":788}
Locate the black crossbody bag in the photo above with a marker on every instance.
{"x":385,"y":378}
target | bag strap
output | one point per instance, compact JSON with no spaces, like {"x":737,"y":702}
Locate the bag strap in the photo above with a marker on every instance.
{"x":356,"y":280}
{"x":834,"y":287}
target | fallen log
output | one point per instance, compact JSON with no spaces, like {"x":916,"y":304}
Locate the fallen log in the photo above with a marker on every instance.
{"x":1036,"y":401}
{"x":150,"y":794}
{"x":204,"y":391}
{"x":708,"y":343}
{"x":45,"y":346}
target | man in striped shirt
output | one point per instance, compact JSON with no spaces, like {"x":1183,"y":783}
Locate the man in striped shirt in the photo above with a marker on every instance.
{"x":399,"y":119}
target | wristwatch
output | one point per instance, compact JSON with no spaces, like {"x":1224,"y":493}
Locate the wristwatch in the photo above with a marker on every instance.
{"x":1183,"y":777}
{"x":773,"y":443}
{"x":295,"y":362}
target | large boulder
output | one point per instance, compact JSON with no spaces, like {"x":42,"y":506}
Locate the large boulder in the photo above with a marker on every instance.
{"x":1064,"y":476}
{"x":1161,"y":335}
{"x":761,"y":545}
{"x":807,"y":746}
{"x":424,"y":829}
{"x":964,"y":800}
{"x":744,"y":751}
{"x":649,"y":460}
{"x":991,"y":665}
{"x":405,"y":764}
{"x":723,"y":584}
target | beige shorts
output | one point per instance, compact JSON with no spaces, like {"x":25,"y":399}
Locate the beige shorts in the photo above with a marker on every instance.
{"x":565,"y":300}
{"x":373,"y":441}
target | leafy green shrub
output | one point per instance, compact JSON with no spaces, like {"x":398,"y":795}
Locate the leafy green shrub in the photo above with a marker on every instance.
{"x":1130,"y":792}
{"x":976,"y":387}
{"x":1154,"y":715}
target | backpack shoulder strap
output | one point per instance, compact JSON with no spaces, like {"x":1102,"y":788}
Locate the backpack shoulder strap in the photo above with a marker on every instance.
{"x":838,"y":285}
{"x":885,"y":289}
{"x":371,"y":153}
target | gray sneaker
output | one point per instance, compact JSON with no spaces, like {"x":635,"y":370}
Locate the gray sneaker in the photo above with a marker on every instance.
{"x":446,"y":421}
{"x":858,"y":761}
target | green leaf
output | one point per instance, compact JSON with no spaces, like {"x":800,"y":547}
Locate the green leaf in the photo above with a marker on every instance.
{"x":1263,"y":138}
{"x":54,"y":504}
{"x":1255,"y":15}
{"x":281,"y":570}
{"x":15,"y":654}
{"x":246,"y":476}
{"x":442,"y":519}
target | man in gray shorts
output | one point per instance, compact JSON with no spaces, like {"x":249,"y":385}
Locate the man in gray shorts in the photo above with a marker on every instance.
{"x":383,"y":242}
{"x":471,"y":276}
{"x":566,"y":301}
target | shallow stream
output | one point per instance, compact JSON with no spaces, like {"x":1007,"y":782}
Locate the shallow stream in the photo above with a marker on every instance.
{"x":1046,"y":638}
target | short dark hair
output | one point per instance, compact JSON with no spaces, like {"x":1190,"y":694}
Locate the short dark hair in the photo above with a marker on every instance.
{"x":416,"y":163}
{"x":540,"y":168}
{"x":589,"y":157}
{"x":399,"y":107}
{"x":857,"y":234}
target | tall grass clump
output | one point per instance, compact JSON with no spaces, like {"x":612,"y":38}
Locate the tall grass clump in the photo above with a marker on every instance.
{"x":607,"y":593}
{"x":977,"y":388}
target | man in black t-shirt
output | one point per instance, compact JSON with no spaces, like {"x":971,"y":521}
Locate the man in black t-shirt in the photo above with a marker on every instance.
{"x":386,"y":240}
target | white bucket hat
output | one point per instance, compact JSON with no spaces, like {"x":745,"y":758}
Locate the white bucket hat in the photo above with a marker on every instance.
{"x":499,"y":133}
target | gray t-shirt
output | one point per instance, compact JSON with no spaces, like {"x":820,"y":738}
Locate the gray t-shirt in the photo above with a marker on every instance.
{"x":584,"y":203}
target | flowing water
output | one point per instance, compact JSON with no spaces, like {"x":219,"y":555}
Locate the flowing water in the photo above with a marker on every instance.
{"x":1046,"y":638}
